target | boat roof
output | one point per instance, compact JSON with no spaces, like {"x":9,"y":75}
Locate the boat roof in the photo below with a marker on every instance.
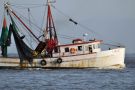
{"x":73,"y":44}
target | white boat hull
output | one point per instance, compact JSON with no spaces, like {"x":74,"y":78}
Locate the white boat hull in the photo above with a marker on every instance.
{"x":112,"y":59}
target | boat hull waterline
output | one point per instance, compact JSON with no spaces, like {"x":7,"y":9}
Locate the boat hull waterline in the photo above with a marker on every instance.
{"x":109,"y":59}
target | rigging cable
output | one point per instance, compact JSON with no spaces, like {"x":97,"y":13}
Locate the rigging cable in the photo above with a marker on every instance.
{"x":67,"y":36}
{"x":44,"y":17}
{"x":30,"y":28}
{"x":38,"y":28}
{"x":17,"y":4}
{"x":45,"y":9}
{"x":37,"y":5}
{"x":76,"y":23}
{"x":64,"y":36}
{"x":81,"y":25}
{"x":23,"y":6}
{"x":19,"y":23}
{"x":28,"y":35}
{"x":69,"y":18}
{"x":22,"y":33}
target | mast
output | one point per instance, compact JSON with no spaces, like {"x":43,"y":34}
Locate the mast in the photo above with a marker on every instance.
{"x":50,"y":35}
{"x":50,"y":27}
{"x":51,"y":41}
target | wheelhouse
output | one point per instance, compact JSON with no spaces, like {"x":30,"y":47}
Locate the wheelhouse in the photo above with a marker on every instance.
{"x":78,"y":47}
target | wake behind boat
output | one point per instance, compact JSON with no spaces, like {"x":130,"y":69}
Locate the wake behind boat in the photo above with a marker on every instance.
{"x":48,"y":53}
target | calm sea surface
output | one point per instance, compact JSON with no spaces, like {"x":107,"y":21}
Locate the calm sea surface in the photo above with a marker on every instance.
{"x":69,"y":79}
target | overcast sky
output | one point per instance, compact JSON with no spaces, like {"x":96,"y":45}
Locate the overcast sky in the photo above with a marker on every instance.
{"x":114,"y":20}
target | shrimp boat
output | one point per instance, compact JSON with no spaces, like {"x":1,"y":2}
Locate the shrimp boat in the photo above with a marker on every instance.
{"x":49,"y":53}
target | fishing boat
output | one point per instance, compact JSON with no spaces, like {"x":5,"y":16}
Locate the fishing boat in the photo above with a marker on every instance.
{"x":49,"y":53}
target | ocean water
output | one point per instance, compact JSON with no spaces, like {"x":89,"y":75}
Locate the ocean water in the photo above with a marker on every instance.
{"x":69,"y":79}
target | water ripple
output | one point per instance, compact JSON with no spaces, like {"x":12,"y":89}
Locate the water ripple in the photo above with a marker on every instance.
{"x":68,"y":79}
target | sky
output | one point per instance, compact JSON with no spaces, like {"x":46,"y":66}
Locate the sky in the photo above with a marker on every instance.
{"x":110,"y":20}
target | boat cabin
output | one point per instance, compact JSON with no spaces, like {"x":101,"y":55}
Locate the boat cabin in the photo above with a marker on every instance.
{"x":78,"y":47}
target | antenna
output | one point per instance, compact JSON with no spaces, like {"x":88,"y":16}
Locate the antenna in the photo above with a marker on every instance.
{"x":50,"y":32}
{"x":30,"y":27}
{"x":84,"y":36}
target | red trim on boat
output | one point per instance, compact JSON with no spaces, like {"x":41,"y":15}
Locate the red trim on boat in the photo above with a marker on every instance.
{"x":80,"y":43}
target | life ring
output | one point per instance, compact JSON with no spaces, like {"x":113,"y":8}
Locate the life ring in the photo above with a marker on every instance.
{"x":43,"y":62}
{"x":59,"y":60}
{"x":72,"y":50}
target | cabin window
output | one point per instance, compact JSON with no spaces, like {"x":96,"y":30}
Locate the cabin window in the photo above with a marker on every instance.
{"x":94,"y":47}
{"x":67,"y":49}
{"x":79,"y":48}
{"x":56,"y":49}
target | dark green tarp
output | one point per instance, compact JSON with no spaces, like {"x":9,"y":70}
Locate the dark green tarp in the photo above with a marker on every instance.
{"x":3,"y":38}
